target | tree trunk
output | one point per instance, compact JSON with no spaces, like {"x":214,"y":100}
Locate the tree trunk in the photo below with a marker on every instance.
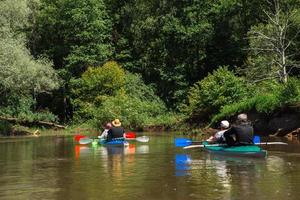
{"x":29,"y":123}
{"x":285,"y":75}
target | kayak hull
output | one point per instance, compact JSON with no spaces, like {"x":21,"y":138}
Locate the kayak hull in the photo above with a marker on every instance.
{"x":114,"y":142}
{"x":240,"y":151}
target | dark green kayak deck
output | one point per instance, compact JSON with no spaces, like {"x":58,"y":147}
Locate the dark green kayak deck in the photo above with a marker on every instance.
{"x":249,"y":150}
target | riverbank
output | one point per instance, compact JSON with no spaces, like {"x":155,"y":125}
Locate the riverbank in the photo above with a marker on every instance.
{"x":282,"y":122}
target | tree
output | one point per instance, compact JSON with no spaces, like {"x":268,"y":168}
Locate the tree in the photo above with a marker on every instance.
{"x":272,"y":44}
{"x":167,"y":40}
{"x":95,"y":85}
{"x":75,"y":34}
{"x":19,"y":71}
{"x":22,"y":77}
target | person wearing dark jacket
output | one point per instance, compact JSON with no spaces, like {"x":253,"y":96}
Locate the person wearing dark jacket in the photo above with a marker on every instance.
{"x":240,"y":134}
{"x":117,"y":131}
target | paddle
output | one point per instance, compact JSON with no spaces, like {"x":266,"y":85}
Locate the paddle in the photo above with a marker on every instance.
{"x":267,"y":143}
{"x":142,"y":139}
{"x":201,"y":145}
{"x":85,"y":140}
{"x":78,"y":137}
{"x":132,"y":136}
{"x":182,"y":142}
{"x":256,"y":140}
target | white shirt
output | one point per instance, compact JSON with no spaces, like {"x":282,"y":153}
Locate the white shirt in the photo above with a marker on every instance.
{"x":220,"y":134}
{"x":104,"y":134}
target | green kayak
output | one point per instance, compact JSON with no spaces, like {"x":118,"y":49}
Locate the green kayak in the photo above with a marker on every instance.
{"x":246,"y":150}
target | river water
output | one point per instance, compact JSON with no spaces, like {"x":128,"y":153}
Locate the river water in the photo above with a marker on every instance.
{"x":58,"y":168}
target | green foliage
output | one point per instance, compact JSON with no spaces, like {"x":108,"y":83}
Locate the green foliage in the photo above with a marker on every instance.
{"x":261,"y":103}
{"x":108,"y":92}
{"x":13,"y":16}
{"x":19,"y":71}
{"x":135,"y":87}
{"x":5,"y":128}
{"x":134,"y":112}
{"x":209,"y":95}
{"x":272,"y":48}
{"x":22,"y":107}
{"x":290,"y":92}
{"x":94,"y":86}
{"x":268,"y":96}
{"x":167,"y":45}
{"x":99,"y":81}
{"x":166,"y":120}
{"x":22,"y":76}
{"x":75,"y":33}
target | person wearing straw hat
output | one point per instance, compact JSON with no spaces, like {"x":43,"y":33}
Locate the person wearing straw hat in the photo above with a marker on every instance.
{"x":116,"y":131}
{"x":241,"y":133}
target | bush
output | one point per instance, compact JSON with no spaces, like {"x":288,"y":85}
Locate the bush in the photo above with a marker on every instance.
{"x":268,"y":96}
{"x":132,"y":111}
{"x":5,"y":128}
{"x":98,"y":81}
{"x":105,"y":93}
{"x":22,"y":107}
{"x":261,"y":103}
{"x":135,"y":87}
{"x":218,"y":89}
{"x":94,"y":86}
{"x":290,"y":93}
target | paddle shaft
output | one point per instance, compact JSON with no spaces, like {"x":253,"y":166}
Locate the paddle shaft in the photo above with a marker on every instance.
{"x":201,"y":145}
{"x":266,"y":143}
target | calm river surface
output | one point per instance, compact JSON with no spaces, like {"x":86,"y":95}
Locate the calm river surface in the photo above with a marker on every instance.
{"x":58,"y":168}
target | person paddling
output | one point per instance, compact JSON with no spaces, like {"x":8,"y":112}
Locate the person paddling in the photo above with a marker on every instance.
{"x":116,"y":131}
{"x":105,"y":132}
{"x":241,"y":133}
{"x":218,"y":137}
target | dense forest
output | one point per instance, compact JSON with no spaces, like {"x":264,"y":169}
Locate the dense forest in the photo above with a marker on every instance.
{"x":148,"y":63}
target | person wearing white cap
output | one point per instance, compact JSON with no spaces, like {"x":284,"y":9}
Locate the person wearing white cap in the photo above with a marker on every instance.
{"x":240,"y":134}
{"x":219,"y":137}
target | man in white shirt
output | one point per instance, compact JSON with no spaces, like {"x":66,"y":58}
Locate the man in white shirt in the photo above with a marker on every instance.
{"x":219,"y":136}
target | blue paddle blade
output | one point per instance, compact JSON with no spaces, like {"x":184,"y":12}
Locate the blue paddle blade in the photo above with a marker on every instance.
{"x":256,"y":139}
{"x":182,"y":142}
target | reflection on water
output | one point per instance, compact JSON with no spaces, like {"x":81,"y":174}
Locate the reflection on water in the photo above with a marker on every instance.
{"x":114,"y":158}
{"x":182,"y":164}
{"x":58,"y":168}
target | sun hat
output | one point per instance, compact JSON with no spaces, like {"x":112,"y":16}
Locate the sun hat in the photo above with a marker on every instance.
{"x":224,"y":124}
{"x":116,"y":122}
{"x":242,"y":117}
